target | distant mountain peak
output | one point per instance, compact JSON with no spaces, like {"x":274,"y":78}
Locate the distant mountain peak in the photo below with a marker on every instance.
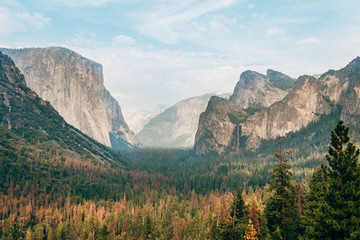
{"x":258,"y":90}
{"x":249,"y":77}
{"x":354,"y":65}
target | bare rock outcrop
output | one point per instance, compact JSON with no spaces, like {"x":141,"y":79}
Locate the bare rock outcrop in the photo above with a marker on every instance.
{"x":309,"y":99}
{"x":74,"y":86}
{"x":220,"y":126}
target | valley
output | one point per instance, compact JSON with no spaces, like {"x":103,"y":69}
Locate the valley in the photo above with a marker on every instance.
{"x":71,"y":167}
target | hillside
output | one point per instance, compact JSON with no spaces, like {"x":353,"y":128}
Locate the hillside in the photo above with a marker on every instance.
{"x":37,"y":146}
{"x":74,"y":86}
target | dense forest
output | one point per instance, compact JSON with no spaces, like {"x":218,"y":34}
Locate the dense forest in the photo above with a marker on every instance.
{"x":170,"y":194}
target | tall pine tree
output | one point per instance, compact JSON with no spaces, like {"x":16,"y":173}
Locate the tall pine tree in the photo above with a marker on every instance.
{"x":235,"y":227}
{"x":334,"y":211}
{"x":280,"y":209}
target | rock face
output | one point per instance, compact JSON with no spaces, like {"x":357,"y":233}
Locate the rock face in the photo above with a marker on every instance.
{"x":36,"y":121}
{"x":310,"y":98}
{"x":219,"y":127}
{"x":303,"y":104}
{"x":176,"y":126}
{"x":256,"y":90}
{"x":75,"y":88}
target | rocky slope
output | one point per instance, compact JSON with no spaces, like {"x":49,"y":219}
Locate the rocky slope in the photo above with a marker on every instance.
{"x":176,"y":126}
{"x":310,"y":99}
{"x":219,"y":128}
{"x":74,"y":86}
{"x":34,"y":123}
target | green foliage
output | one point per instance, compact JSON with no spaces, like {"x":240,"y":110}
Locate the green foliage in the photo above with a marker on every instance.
{"x":280,"y":209}
{"x":334,"y":199}
{"x":236,"y":226}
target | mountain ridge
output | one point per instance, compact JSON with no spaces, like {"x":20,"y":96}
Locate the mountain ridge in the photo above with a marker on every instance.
{"x":74,"y":85}
{"x":31,"y":118}
{"x":309,"y":99}
{"x":253,"y":93}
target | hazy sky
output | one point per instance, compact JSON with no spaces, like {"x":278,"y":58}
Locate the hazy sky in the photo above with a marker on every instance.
{"x":160,"y":52}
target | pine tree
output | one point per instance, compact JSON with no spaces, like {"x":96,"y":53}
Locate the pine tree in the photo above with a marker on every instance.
{"x":334,"y":211}
{"x":148,"y":228}
{"x":280,"y":208}
{"x":104,"y":233}
{"x":314,"y":219}
{"x":276,"y":234}
{"x":255,"y":217}
{"x":235,"y":227}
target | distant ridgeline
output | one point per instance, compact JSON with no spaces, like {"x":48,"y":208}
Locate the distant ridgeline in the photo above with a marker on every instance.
{"x":260,"y":110}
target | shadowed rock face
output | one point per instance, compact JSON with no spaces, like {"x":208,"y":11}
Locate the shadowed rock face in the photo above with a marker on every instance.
{"x":220,"y":128}
{"x":75,"y":88}
{"x":309,"y":98}
{"x":22,"y":111}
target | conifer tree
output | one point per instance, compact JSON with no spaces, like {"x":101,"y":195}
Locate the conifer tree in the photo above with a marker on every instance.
{"x":254,"y":215}
{"x":314,"y":219}
{"x":280,"y":209}
{"x":148,"y":228}
{"x":334,"y":206}
{"x":235,"y":227}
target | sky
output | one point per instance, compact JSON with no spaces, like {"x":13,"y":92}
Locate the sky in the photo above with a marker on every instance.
{"x":163,"y":51}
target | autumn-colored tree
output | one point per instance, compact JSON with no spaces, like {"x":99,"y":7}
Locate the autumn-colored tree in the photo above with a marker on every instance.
{"x":251,"y":233}
{"x":254,"y":215}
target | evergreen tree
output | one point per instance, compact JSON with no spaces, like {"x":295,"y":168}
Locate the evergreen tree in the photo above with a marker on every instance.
{"x":334,"y":211}
{"x":280,"y":209}
{"x":238,"y":224}
{"x":148,"y":228}
{"x":104,"y":233}
{"x":255,"y":217}
{"x":314,"y":219}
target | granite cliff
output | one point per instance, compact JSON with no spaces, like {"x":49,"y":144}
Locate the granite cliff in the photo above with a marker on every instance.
{"x":306,"y":102}
{"x":217,"y":132}
{"x":220,"y":125}
{"x":32,"y":125}
{"x":255,"y":90}
{"x":74,"y":86}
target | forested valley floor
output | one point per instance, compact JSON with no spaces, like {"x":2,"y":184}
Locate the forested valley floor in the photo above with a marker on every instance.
{"x":171,"y":194}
